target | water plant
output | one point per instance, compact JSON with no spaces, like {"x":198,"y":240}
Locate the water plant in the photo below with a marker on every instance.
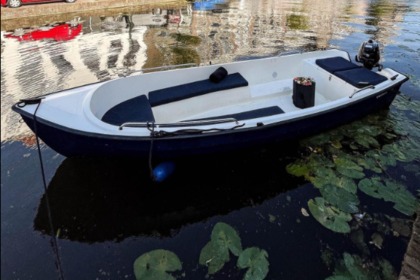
{"x":354,"y":159}
{"x":224,"y":240}
{"x":156,"y":265}
{"x":354,"y":267}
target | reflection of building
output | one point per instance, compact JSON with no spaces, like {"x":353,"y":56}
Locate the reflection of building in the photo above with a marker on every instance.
{"x":249,"y":28}
{"x":112,"y":45}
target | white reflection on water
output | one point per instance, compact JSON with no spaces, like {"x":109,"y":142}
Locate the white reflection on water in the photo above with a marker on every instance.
{"x":108,"y":47}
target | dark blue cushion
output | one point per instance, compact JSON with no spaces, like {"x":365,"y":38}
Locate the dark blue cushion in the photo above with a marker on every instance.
{"x":252,"y":114}
{"x":360,"y":77}
{"x":176,"y":93}
{"x":137,"y":109}
{"x":334,"y":64}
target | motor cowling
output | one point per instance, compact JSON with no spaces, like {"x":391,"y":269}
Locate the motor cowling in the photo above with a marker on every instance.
{"x":369,"y":54}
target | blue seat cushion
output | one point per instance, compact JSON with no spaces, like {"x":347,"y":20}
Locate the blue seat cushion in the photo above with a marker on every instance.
{"x":184,"y":91}
{"x":137,"y":109}
{"x":252,"y":114}
{"x":360,"y":77}
{"x":334,"y":64}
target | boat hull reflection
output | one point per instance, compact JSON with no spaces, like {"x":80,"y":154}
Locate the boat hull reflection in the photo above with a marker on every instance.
{"x":96,"y":200}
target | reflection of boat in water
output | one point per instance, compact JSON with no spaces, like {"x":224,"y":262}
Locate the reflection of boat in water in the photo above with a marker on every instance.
{"x":60,"y":32}
{"x":100,"y":200}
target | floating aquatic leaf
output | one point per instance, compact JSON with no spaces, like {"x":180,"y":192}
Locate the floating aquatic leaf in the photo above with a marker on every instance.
{"x":366,"y":141}
{"x":388,"y":272}
{"x":323,"y":176}
{"x":369,"y":163}
{"x":349,"y":168}
{"x":329,"y":216}
{"x":377,"y":240}
{"x":382,"y":159}
{"x":298,"y":169}
{"x":227,"y":237}
{"x":355,"y":266}
{"x":215,"y":254}
{"x":405,"y":202}
{"x":345,"y":183}
{"x":371,"y":186}
{"x":255,"y":260}
{"x":154,"y":265}
{"x":391,"y":191}
{"x":342,"y":199}
{"x":214,"y":257}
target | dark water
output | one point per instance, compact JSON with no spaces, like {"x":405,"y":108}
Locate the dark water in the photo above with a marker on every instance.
{"x":106,"y":213}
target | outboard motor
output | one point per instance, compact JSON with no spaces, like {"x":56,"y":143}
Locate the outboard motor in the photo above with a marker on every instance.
{"x":369,"y":55}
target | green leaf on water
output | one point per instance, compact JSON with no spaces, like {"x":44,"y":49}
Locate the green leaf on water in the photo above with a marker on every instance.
{"x":340,"y":198}
{"x":329,"y":216}
{"x":298,"y":169}
{"x":227,"y":237}
{"x":154,"y":265}
{"x":255,"y":260}
{"x":323,"y":176}
{"x":353,"y":267}
{"x":371,"y":186}
{"x":214,"y":257}
{"x":391,"y":191}
{"x":366,"y":141}
{"x":349,"y":168}
{"x":368,"y":163}
{"x":215,"y":254}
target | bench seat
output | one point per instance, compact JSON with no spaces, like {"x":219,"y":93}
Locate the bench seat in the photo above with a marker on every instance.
{"x":334,"y":64}
{"x":137,"y":109}
{"x":351,"y":73}
{"x":360,"y":77}
{"x":251,"y":114}
{"x":184,"y":91}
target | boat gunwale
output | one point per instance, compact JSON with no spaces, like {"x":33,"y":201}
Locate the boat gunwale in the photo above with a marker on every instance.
{"x":354,"y":102}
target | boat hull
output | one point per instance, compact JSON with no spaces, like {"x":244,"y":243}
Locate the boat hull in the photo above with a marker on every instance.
{"x":73,"y":143}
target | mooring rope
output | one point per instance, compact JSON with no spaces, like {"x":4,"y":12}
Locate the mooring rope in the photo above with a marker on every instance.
{"x":54,"y":242}
{"x":151,"y":149}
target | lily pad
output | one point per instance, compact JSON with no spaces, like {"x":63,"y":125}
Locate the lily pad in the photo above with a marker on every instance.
{"x":366,"y":141}
{"x":371,"y":186}
{"x":227,"y":237}
{"x":342,"y":199}
{"x":349,"y":168}
{"x":215,"y":254}
{"x":329,"y":216}
{"x":391,"y":191}
{"x":255,"y":259}
{"x":368,"y":163}
{"x":214,"y":257}
{"x":298,"y":169}
{"x":156,"y":264}
{"x":354,"y":267}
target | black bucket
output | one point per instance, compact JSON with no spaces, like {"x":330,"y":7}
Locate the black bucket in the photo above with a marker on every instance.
{"x":303,"y":95}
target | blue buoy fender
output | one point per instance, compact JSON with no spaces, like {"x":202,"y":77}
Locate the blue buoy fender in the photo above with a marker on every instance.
{"x":163,"y":171}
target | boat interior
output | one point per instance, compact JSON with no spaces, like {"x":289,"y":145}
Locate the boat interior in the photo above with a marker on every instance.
{"x":237,"y":92}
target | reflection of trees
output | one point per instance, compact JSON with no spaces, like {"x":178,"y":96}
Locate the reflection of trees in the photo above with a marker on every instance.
{"x":383,"y":14}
